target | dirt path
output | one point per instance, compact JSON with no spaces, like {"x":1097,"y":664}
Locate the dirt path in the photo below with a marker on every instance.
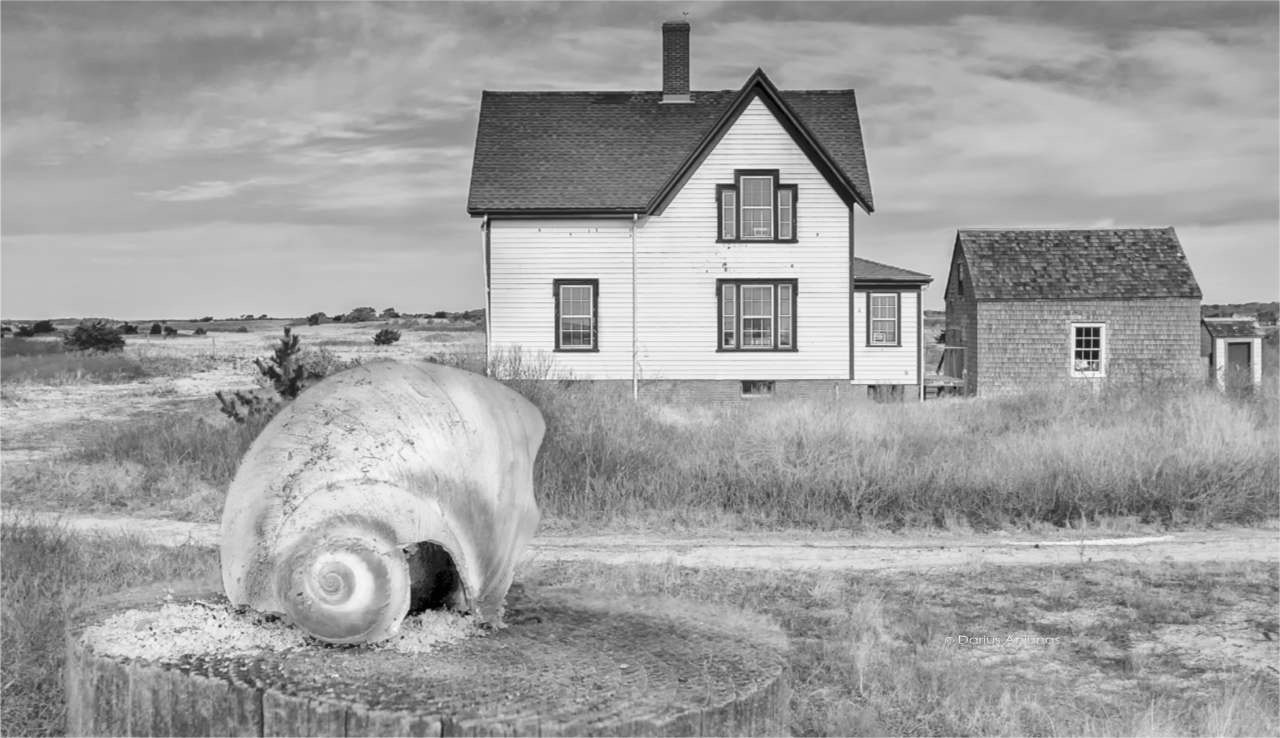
{"x":796,"y":551}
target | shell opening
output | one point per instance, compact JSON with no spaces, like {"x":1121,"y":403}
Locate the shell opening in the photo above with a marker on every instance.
{"x":434,"y":581}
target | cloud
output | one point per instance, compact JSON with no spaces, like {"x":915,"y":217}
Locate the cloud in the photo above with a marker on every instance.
{"x":210,"y":190}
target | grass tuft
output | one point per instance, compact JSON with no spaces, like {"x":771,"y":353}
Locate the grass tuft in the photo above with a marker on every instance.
{"x":45,"y":574}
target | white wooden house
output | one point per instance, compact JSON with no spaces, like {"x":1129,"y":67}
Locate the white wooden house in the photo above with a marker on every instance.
{"x":689,"y":244}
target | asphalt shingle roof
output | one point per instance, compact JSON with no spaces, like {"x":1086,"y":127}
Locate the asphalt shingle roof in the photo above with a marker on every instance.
{"x":614,"y":151}
{"x":874,"y":271}
{"x":1105,"y":264}
{"x":1223,"y":328}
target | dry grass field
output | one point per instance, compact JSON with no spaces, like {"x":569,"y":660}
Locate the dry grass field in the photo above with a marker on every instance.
{"x":1117,"y":648}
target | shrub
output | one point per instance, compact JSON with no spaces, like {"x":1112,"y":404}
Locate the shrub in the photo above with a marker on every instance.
{"x":315,"y":318}
{"x":289,"y":370}
{"x":43,"y":326}
{"x":362,"y":315}
{"x":439,"y":314}
{"x":390,"y":313}
{"x":94,"y":336}
{"x":386,"y":337}
{"x":207,"y":319}
{"x":241,"y":329}
{"x":128,"y":329}
{"x":199,"y":331}
{"x":170,"y":331}
{"x":338,"y":318}
{"x":156,"y":329}
{"x":24,"y":331}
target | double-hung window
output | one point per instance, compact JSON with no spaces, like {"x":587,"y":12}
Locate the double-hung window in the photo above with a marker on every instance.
{"x":1088,"y":350}
{"x":756,"y":207}
{"x":757,"y":315}
{"x":884,"y":312}
{"x":577,"y":301}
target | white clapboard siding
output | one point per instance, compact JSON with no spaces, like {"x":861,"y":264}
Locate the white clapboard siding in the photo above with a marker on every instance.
{"x":526,"y":256}
{"x":679,"y":262}
{"x":886,"y":364}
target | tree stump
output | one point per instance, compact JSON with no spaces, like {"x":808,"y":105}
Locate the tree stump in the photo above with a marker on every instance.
{"x":567,"y":664}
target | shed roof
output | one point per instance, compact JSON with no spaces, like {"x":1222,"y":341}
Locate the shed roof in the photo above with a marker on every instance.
{"x":622,"y":151}
{"x":873,"y":271}
{"x":1095,"y":264}
{"x":1232,"y":327}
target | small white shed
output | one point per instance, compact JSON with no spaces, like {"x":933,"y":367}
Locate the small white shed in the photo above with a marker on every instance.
{"x":1235,"y":352}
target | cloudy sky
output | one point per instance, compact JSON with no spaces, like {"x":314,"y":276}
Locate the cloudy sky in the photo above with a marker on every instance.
{"x":187,"y":159}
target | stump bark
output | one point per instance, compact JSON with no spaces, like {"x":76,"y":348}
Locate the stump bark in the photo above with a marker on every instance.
{"x":566,"y":664}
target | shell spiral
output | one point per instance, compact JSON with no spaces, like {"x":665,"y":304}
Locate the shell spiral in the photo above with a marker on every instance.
{"x":347,"y":585}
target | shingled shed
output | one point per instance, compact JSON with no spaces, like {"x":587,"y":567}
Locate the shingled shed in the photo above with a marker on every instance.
{"x":1027,"y":309}
{"x":1235,"y":353}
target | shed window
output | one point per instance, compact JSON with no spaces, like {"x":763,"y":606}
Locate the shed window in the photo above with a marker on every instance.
{"x":756,"y":207}
{"x":1088,"y":350}
{"x":757,"y":315}
{"x":883,"y":325}
{"x":576,"y":319}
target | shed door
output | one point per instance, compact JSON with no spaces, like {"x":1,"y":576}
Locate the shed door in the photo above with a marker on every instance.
{"x":1239,"y":365}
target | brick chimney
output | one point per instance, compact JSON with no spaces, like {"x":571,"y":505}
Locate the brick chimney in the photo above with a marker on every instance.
{"x":675,"y":61}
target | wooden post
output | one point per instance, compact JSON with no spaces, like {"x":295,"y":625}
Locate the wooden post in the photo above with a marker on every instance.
{"x":567,"y":664}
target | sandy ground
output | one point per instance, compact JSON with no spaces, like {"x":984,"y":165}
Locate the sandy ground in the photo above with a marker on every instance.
{"x":798,"y":551}
{"x":40,"y":420}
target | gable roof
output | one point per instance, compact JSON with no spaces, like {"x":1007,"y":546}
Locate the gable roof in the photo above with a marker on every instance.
{"x":628,"y":152}
{"x":1232,"y":327}
{"x":1103,"y":264}
{"x":865,"y":270}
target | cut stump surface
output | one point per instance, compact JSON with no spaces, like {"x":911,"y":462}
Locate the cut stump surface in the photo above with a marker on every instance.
{"x":566,"y":665}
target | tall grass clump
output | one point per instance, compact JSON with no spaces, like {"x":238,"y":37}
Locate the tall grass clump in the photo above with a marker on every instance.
{"x":1059,"y":458}
{"x":45,"y":574}
{"x":57,"y":366}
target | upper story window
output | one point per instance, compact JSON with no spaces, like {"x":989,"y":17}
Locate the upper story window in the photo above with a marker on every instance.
{"x":756,"y":207}
{"x":576,"y":304}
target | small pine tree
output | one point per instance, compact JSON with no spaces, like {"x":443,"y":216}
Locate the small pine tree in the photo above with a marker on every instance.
{"x":386,"y":337}
{"x":94,"y":336}
{"x":43,"y":326}
{"x":156,"y":329}
{"x":288,"y":376}
{"x":315,"y":318}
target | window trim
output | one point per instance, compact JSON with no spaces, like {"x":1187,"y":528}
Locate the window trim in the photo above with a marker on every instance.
{"x":736,"y":189}
{"x":737,"y":303}
{"x":594,"y":284}
{"x":1102,"y":350}
{"x":898,"y":313}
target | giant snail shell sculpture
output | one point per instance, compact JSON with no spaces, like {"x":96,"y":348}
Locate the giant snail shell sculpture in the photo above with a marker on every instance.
{"x":383,"y":486}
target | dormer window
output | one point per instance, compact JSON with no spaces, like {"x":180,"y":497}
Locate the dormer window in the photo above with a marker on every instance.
{"x":756,"y":207}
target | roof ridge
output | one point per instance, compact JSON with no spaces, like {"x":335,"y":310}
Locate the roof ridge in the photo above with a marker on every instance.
{"x":821,"y":91}
{"x":1062,"y":229}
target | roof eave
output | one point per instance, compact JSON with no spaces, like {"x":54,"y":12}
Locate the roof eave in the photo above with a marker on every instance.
{"x":555,"y":212}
